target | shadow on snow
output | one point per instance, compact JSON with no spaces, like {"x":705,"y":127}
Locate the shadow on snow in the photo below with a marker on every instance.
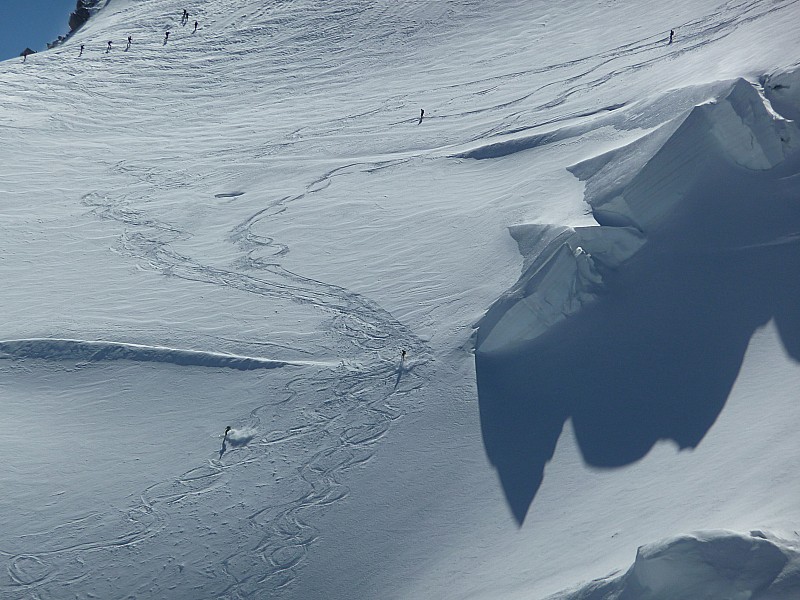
{"x":656,"y":355}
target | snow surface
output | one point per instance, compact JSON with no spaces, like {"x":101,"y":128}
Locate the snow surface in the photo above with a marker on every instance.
{"x":587,"y":248}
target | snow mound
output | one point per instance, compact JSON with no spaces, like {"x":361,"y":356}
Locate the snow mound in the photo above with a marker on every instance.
{"x":708,"y":564}
{"x":519,"y":140}
{"x":651,"y":312}
{"x":93,"y":351}
{"x":740,"y":129}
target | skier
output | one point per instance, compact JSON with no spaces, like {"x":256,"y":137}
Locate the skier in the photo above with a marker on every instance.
{"x":130,"y":41}
{"x":166,"y":37}
{"x":403,"y":356}
{"x":671,"y":35}
{"x":421,"y":114}
{"x":195,"y":26}
{"x":224,"y":439}
{"x":81,"y":52}
{"x":109,"y":47}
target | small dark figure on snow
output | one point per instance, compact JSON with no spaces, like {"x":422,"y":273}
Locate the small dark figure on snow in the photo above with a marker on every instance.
{"x":185,"y":17}
{"x":195,"y":26}
{"x":109,"y":47}
{"x":224,"y":439}
{"x":130,"y":41}
{"x":421,"y":114}
{"x":671,"y":35}
{"x":81,"y":52}
{"x":403,"y":356}
{"x":166,"y":37}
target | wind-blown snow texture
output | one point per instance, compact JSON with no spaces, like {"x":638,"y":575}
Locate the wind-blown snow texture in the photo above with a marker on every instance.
{"x":246,"y":225}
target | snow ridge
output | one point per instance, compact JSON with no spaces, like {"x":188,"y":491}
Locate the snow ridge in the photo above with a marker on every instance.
{"x":706,"y":564}
{"x":98,"y":350}
{"x":711,"y":210}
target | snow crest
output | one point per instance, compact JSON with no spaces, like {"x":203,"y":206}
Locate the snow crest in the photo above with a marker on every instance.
{"x":693,"y":254}
{"x":94,"y":351}
{"x":708,"y":564}
{"x":741,"y":129}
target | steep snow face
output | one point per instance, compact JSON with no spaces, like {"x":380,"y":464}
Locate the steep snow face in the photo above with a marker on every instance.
{"x":751,"y":135}
{"x":782,"y":89}
{"x":246,"y":225}
{"x":740,"y":128}
{"x":566,"y":275}
{"x":689,"y":262}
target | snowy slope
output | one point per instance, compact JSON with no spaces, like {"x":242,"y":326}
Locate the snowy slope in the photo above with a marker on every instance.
{"x":246,"y":225}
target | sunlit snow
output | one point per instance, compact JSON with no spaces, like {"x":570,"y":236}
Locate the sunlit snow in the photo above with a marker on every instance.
{"x":269,"y":331}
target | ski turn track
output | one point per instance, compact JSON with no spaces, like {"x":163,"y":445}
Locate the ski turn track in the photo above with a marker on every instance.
{"x":362,"y":400}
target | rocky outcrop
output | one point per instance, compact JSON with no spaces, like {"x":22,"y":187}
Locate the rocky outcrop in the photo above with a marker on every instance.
{"x":84,"y":9}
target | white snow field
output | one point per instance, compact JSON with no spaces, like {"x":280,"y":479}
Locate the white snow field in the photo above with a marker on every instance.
{"x":588,"y":247}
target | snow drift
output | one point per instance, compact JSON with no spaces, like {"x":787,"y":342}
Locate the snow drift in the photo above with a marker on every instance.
{"x":260,"y":192}
{"x":707,"y":564}
{"x":96,"y":350}
{"x":650,"y":312}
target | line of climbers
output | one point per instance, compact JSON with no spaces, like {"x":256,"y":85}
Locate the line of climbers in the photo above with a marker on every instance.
{"x":184,"y":21}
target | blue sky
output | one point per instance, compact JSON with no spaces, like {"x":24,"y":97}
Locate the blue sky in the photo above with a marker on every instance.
{"x":32,"y":23}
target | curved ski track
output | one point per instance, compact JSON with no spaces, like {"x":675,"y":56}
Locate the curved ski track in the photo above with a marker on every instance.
{"x":363,"y":399}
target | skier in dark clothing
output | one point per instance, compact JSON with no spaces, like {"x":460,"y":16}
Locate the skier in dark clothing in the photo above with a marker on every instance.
{"x":421,"y":114}
{"x":130,"y":41}
{"x":109,"y":47}
{"x":166,"y":37}
{"x":81,"y":52}
{"x":195,"y":26}
{"x":224,"y":439}
{"x":671,"y":35}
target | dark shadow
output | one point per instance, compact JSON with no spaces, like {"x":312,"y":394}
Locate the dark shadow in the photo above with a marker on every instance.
{"x":656,"y":355}
{"x":399,"y":375}
{"x":224,"y":446}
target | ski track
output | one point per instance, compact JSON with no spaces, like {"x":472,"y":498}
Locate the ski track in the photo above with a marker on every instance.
{"x":692,"y":36}
{"x":362,"y":400}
